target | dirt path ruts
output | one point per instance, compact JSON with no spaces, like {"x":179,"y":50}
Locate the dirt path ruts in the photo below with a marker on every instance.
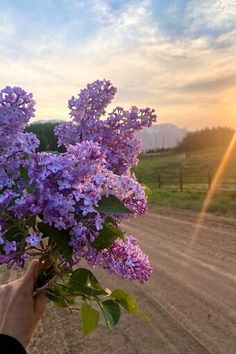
{"x":191,"y":297}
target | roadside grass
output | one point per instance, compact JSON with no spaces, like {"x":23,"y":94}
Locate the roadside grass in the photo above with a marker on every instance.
{"x":221,"y":203}
{"x":195,"y":168}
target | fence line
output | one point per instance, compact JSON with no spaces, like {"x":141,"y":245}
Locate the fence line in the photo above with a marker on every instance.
{"x":186,"y":182}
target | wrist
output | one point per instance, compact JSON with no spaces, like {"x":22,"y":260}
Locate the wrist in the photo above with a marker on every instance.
{"x":21,"y":338}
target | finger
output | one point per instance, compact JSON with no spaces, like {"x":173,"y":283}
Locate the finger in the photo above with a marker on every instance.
{"x":40,"y":304}
{"x":29,"y":277}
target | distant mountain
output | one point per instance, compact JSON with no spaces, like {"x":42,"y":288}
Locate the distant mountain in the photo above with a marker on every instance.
{"x":161,"y":136}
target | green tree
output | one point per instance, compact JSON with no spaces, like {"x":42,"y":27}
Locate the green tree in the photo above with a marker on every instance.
{"x":45,"y":133}
{"x":206,"y":138}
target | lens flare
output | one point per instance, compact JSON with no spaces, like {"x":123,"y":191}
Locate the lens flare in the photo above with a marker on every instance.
{"x":212,"y":189}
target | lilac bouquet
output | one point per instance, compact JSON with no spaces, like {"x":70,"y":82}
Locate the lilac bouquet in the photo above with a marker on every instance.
{"x":67,"y":207}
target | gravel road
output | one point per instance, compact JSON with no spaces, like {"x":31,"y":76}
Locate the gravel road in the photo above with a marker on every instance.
{"x":191,"y":297}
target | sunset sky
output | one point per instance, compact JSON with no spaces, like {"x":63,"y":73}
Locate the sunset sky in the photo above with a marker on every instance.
{"x":177,"y":56}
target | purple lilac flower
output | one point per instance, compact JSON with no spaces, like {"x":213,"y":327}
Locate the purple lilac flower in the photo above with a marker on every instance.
{"x":66,"y":188}
{"x":9,"y":246}
{"x":2,"y":241}
{"x":92,"y":101}
{"x":123,"y":257}
{"x":33,"y":239}
{"x":20,"y":260}
{"x":16,"y":109}
{"x":115,"y":134}
{"x":5,"y":259}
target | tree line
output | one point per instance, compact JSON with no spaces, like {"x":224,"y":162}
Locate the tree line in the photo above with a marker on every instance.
{"x":197,"y":140}
{"x":216,"y":137}
{"x":45,"y":133}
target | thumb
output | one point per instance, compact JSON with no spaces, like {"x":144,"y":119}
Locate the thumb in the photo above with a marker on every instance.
{"x":29,"y":276}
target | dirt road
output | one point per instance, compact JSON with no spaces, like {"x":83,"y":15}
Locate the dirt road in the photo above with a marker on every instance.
{"x":191,"y":297}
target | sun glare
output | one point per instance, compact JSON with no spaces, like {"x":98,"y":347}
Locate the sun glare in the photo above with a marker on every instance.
{"x":212,"y":189}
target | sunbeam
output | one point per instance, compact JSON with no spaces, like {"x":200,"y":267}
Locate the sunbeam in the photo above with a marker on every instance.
{"x":212,"y":189}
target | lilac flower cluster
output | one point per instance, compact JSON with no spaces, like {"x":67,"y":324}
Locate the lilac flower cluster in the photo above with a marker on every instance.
{"x":64,"y":190}
{"x":115,"y":134}
{"x":16,"y":109}
{"x":123,"y":257}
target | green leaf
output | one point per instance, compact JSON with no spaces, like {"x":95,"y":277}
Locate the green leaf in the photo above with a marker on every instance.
{"x":83,"y":282}
{"x":14,"y":233}
{"x":91,"y":292}
{"x":148,"y":193}
{"x":111,"y":205}
{"x":24,"y":173}
{"x":60,"y":237}
{"x":58,"y":299}
{"x":29,"y":189}
{"x":89,"y":317}
{"x":63,"y":290}
{"x":82,"y":277}
{"x":142,"y":315}
{"x":107,"y":236}
{"x":30,"y":221}
{"x":129,"y":303}
{"x":44,"y":276}
{"x":125,"y":299}
{"x":110,"y":220}
{"x":44,"y":228}
{"x":111,"y":311}
{"x":26,"y":156}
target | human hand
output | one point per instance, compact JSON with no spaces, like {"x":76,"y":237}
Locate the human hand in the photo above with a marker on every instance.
{"x":19,"y":311}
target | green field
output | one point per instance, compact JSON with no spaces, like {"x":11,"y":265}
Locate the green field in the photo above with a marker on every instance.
{"x":163,"y":172}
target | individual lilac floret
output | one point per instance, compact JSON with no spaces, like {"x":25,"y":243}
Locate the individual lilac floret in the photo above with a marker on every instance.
{"x":33,"y":239}
{"x":9,"y":247}
{"x":123,"y":257}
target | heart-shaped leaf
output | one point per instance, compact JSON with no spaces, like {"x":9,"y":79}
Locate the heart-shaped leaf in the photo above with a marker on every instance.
{"x":89,"y":317}
{"x":111,"y":311}
{"x":125,"y":299}
{"x":107,"y":235}
{"x":83,"y":282}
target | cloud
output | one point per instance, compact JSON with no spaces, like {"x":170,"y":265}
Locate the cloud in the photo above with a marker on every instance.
{"x":210,"y":84}
{"x":215,"y":14}
{"x":6,"y":28}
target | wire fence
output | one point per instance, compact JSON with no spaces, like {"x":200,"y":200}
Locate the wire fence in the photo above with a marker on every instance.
{"x":195,"y":182}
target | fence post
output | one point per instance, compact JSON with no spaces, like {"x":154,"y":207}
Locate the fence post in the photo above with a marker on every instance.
{"x":181,"y":182}
{"x":159,"y":180}
{"x":209,"y":180}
